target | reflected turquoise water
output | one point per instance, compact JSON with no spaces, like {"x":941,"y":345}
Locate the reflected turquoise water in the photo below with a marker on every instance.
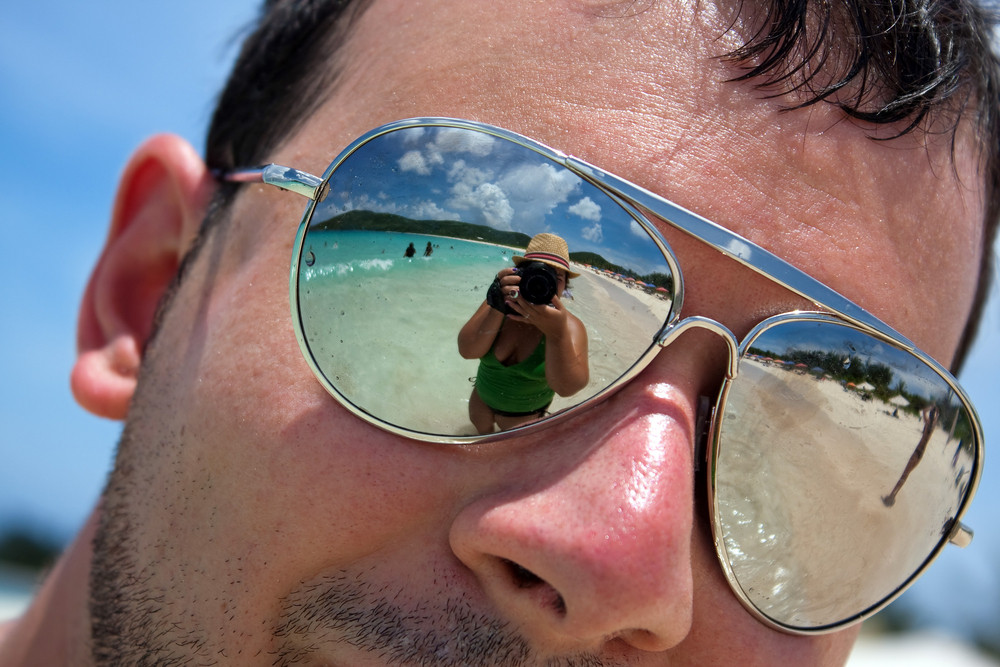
{"x":384,"y":327}
{"x":371,"y":254}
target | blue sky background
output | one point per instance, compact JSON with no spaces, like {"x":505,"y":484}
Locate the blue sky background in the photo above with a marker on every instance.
{"x":81,"y":85}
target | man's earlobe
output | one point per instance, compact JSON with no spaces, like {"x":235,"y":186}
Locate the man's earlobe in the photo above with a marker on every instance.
{"x":159,"y":207}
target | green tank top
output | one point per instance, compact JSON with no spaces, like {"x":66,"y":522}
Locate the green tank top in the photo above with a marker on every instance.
{"x":520,"y":387}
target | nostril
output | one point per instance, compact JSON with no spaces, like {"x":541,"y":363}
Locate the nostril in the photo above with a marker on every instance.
{"x":525,"y":578}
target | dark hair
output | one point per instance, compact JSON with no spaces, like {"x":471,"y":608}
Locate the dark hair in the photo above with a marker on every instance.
{"x":286,"y":67}
{"x":901,"y":65}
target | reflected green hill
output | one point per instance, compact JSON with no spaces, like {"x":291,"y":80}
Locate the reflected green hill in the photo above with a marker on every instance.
{"x":369,"y":221}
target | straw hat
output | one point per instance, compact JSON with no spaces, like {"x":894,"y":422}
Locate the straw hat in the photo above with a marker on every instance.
{"x":548,"y":249}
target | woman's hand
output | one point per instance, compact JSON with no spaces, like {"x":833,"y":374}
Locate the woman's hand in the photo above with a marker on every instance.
{"x":509,"y":282}
{"x":551,"y":319}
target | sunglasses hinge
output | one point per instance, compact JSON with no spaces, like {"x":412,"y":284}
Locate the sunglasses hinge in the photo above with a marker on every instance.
{"x":960,"y":535}
{"x":286,"y":178}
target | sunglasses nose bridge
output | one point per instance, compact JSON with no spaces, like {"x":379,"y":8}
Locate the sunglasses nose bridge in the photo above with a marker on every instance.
{"x":672,"y":333}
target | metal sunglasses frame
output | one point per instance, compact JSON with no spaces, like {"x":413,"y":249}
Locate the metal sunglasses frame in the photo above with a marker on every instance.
{"x":635,"y":200}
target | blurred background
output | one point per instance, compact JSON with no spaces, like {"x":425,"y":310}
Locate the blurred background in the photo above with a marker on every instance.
{"x":82,"y":84}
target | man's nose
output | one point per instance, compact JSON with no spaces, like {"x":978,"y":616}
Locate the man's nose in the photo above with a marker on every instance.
{"x":579,"y":551}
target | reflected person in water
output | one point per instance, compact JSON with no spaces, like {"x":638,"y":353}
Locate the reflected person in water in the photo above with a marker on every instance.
{"x":528,"y":351}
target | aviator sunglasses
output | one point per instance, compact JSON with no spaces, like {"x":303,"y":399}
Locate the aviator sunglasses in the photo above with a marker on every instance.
{"x":840,"y":458}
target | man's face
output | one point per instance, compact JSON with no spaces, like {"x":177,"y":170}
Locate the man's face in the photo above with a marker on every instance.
{"x":262,"y":522}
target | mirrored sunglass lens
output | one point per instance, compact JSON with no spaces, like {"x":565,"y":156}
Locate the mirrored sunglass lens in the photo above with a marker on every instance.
{"x":841,"y":465}
{"x":403,"y":250}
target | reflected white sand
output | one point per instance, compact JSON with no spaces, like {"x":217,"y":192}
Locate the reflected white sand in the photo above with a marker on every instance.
{"x":808,"y":493}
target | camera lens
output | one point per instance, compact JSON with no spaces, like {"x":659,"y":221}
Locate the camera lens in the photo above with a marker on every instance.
{"x":538,"y":282}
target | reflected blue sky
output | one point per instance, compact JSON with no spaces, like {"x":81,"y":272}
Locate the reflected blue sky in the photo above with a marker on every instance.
{"x":449,"y":173}
{"x":82,"y":86}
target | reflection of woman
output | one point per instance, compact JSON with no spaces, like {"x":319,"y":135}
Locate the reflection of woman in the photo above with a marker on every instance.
{"x":528,"y":356}
{"x":930,"y":415}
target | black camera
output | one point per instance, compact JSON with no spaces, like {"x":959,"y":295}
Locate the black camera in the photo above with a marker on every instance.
{"x":539,"y":282}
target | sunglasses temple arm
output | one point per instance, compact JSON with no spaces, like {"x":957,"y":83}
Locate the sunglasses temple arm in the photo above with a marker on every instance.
{"x":286,"y":178}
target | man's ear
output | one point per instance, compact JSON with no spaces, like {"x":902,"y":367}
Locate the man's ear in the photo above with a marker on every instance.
{"x":161,"y":201}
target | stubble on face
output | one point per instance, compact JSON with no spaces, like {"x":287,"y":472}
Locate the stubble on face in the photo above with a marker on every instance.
{"x":135,"y":618}
{"x":131,"y":620}
{"x":348,"y":609}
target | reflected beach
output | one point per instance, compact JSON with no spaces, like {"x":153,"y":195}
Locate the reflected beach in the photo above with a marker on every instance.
{"x":389,"y":322}
{"x":792,"y":494}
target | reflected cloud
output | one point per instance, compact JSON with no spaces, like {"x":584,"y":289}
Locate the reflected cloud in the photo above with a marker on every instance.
{"x":587,"y":209}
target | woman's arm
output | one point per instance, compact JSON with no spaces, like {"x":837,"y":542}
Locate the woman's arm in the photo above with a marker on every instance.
{"x":477,"y":335}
